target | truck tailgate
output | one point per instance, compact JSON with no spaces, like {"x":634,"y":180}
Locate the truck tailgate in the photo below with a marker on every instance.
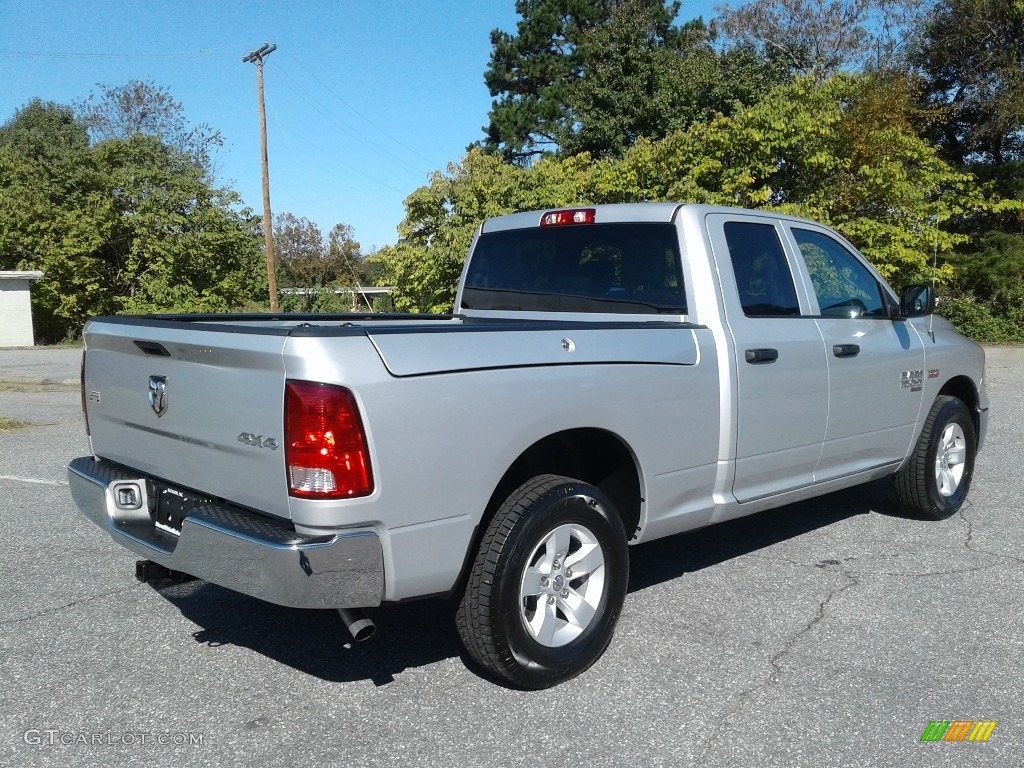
{"x":194,"y":406}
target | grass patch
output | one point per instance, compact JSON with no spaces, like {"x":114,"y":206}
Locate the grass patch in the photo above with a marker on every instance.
{"x":31,"y":386}
{"x":9,"y":425}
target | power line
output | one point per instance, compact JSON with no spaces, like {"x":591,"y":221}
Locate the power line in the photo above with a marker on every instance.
{"x":108,"y":55}
{"x":288,"y":133}
{"x":326,"y":112}
{"x":363,"y":117}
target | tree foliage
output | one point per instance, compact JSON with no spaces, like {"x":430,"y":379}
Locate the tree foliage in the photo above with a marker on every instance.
{"x":176,"y":244}
{"x":300,"y":252}
{"x":314,"y":269}
{"x":43,"y":130}
{"x":442,"y":216}
{"x":144,"y":108}
{"x":595,"y":76}
{"x":971,"y":58}
{"x":531,"y":71}
{"x":817,"y":150}
{"x":820,"y":151}
{"x":122,"y":225}
{"x":646,"y":78}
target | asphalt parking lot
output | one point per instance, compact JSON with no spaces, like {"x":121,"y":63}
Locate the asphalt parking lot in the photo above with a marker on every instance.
{"x":827,"y":633}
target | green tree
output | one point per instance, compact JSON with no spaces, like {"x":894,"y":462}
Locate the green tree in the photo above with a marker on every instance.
{"x":644,"y":77}
{"x":531,"y":72}
{"x":55,"y":214}
{"x":993,"y":268}
{"x":176,"y":243}
{"x":313,"y":270}
{"x":441,"y":218}
{"x":128,"y":224}
{"x":44,"y":130}
{"x":346,"y":254}
{"x":821,"y":151}
{"x":971,"y":58}
{"x":620,"y":93}
{"x":816,"y":150}
{"x":300,"y":253}
{"x":595,"y":76}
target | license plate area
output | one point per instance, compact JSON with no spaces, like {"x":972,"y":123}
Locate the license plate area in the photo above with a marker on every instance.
{"x":173,"y":506}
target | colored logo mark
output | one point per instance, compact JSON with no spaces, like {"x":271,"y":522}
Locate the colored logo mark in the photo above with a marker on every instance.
{"x":958,"y":730}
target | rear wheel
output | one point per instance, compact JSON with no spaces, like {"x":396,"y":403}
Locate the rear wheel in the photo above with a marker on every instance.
{"x":547,"y":585}
{"x":934,"y":483}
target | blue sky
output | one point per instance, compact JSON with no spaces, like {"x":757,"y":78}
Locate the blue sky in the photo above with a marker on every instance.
{"x":364,"y":99}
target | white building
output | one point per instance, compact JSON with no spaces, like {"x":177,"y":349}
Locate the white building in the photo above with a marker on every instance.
{"x":16,"y":308}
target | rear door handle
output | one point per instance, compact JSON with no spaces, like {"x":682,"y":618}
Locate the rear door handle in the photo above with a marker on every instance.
{"x":845,"y":350}
{"x":758,"y":356}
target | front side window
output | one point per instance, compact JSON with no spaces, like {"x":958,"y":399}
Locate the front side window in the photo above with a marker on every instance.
{"x":763,"y":278}
{"x":598,"y":268}
{"x":843,"y":285}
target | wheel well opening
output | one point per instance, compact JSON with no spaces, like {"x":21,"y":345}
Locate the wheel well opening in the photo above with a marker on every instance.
{"x":963,"y":388}
{"x":594,"y":456}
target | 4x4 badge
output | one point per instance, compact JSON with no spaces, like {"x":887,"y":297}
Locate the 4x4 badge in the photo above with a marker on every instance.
{"x":158,"y":394}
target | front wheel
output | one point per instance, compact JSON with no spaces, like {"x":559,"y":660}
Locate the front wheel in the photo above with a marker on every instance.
{"x":934,"y":482}
{"x":547,"y":585}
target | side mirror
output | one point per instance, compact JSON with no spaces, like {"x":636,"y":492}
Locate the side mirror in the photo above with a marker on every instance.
{"x":917,"y":301}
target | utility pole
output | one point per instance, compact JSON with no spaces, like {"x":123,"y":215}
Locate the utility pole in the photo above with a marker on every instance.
{"x":256,"y":57}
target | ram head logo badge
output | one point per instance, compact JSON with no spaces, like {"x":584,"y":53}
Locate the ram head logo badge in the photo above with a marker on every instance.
{"x":158,"y":394}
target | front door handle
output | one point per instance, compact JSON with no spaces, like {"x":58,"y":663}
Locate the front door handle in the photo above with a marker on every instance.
{"x":845,"y":350}
{"x":759,"y":356}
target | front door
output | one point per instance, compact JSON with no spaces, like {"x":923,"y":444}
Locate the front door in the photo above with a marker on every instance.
{"x":875,"y":363}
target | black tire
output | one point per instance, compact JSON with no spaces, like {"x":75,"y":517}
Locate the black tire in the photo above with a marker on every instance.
{"x":525,"y":616}
{"x":934,"y":482}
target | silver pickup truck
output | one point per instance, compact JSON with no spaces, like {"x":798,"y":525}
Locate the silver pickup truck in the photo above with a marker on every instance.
{"x":610,"y":375}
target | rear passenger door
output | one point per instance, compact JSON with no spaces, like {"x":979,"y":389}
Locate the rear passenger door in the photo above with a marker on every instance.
{"x":781,"y":372}
{"x":874,"y":362}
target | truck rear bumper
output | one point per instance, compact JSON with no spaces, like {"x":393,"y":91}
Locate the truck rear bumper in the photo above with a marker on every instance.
{"x":232,"y":547}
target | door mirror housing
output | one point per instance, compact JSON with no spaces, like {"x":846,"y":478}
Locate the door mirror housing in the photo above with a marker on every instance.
{"x":917,"y":301}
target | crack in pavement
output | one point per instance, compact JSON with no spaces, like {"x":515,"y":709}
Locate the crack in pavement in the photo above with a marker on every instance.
{"x":57,"y":609}
{"x":851,"y":580}
{"x":969,"y":538}
{"x":848,"y":580}
{"x":970,"y":527}
{"x":911,"y":574}
{"x":787,"y":647}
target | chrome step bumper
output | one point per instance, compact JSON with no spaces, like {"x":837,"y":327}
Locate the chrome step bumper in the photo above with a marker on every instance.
{"x":232,"y":547}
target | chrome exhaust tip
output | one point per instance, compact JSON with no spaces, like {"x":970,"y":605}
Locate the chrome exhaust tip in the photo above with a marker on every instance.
{"x":359,"y":625}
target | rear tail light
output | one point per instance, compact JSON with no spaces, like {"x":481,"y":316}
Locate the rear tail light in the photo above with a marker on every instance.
{"x":569,"y":216}
{"x":326,"y":449}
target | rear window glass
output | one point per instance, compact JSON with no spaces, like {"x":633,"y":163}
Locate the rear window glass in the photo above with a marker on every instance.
{"x":612,"y":268}
{"x":763,"y":279}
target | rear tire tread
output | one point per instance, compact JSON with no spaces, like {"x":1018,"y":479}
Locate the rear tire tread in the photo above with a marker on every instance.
{"x":474,"y":626}
{"x":489,"y":618}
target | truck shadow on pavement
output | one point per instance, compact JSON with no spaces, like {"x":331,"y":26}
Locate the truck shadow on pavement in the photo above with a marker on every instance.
{"x":669,"y":558}
{"x":419,"y":633}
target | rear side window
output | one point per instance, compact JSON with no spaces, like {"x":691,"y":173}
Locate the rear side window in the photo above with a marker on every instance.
{"x":844,"y":286}
{"x":600,"y":268}
{"x":763,"y":278}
